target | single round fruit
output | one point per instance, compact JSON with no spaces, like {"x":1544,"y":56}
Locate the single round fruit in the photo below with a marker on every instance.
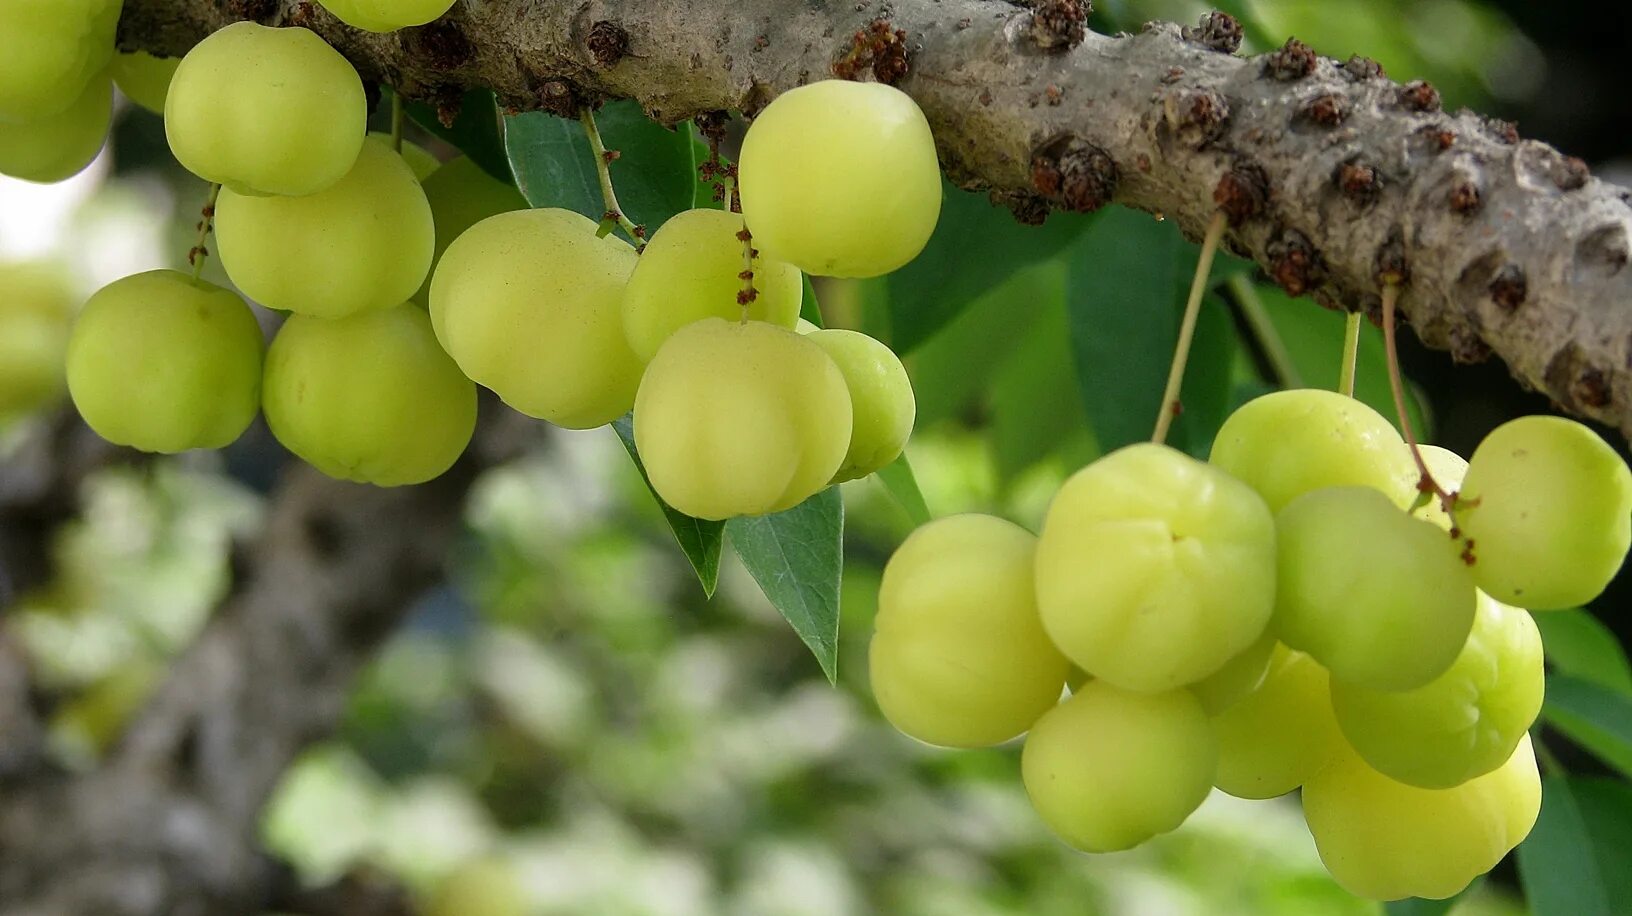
{"x":1275,"y":738}
{"x":691,"y":271}
{"x":484,"y":887}
{"x":1154,"y":569}
{"x":1109,"y":769}
{"x":364,"y":242}
{"x":1287,"y":443}
{"x":1240,"y":675}
{"x":1448,"y":468}
{"x":49,"y":52}
{"x":36,"y":311}
{"x":165,"y":363}
{"x":527,"y":303}
{"x":959,"y":658}
{"x":386,"y":15}
{"x":1461,"y":724}
{"x":840,"y":179}
{"x":1383,"y":600}
{"x":143,"y":78}
{"x":1548,"y":507}
{"x":462,"y":194}
{"x":880,"y":397}
{"x":740,"y":419}
{"x":370,"y":397}
{"x":420,"y":160}
{"x":266,"y":111}
{"x":61,"y":145}
{"x":1386,"y":840}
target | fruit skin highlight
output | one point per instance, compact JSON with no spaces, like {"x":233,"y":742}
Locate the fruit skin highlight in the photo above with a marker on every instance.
{"x":881,"y":399}
{"x":1275,"y":738}
{"x":840,"y":179}
{"x":50,"y":51}
{"x":958,"y":657}
{"x":59,"y":146}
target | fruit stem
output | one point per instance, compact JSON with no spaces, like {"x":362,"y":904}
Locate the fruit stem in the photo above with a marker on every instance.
{"x":396,"y":122}
{"x":1187,"y":328}
{"x":1263,"y":328}
{"x":603,"y":169}
{"x":206,"y":222}
{"x":1351,"y":354}
{"x":748,"y":294}
{"x":1425,"y":482}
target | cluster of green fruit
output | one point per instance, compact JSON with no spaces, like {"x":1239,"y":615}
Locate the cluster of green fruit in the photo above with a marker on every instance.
{"x":1286,"y":615}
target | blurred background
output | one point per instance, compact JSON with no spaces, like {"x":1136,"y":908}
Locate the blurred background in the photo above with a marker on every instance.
{"x":568,"y":723}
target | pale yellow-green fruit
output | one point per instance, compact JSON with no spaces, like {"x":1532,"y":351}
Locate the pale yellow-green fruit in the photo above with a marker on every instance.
{"x":461,"y":195}
{"x":164,"y":363}
{"x":362,"y":243}
{"x":1381,"y":599}
{"x":805,"y":327}
{"x":1240,"y":675}
{"x":1279,"y":735}
{"x":1108,"y":769}
{"x":958,"y":657}
{"x":386,"y":15}
{"x":840,"y":179}
{"x":61,"y":145}
{"x":369,"y":398}
{"x":740,"y":419}
{"x":266,"y":111}
{"x":49,"y":52}
{"x":527,"y":303}
{"x":1448,"y":468}
{"x":1386,"y":840}
{"x":881,"y":400}
{"x":1461,"y":724}
{"x":1155,"y":569}
{"x":484,"y":887}
{"x":143,"y":78}
{"x":1547,"y":505}
{"x":36,"y":310}
{"x":1286,"y":443}
{"x":419,"y":159}
{"x":691,"y":271}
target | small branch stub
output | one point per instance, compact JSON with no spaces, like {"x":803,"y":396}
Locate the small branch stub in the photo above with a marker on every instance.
{"x":1074,"y":174}
{"x":1060,"y":25}
{"x":1217,"y":31}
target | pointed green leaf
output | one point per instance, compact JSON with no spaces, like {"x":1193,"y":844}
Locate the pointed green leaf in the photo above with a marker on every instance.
{"x":1557,"y":866}
{"x":1606,"y":809}
{"x":477,"y":131}
{"x":797,"y":557}
{"x":1596,"y":717}
{"x":1418,"y":906}
{"x":809,"y":308}
{"x":897,"y":477}
{"x":700,"y":539}
{"x":1579,"y":645}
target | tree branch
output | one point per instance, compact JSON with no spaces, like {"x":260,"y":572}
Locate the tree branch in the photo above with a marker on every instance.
{"x":1510,"y":246}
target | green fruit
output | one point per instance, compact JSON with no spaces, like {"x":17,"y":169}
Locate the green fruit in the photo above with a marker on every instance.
{"x":143,"y":78}
{"x":1383,"y":600}
{"x":740,"y":419}
{"x":527,"y":303}
{"x":1461,"y":724}
{"x":61,"y":145}
{"x":266,"y":111}
{"x":840,"y":179}
{"x":485,"y":887}
{"x":419,"y":159}
{"x":805,"y":327}
{"x":1108,"y":769}
{"x":1240,"y":675}
{"x":959,"y":658}
{"x":880,"y":398}
{"x":1290,"y":442}
{"x":370,"y":397}
{"x":1275,"y":738}
{"x":462,"y":194}
{"x":386,"y":15}
{"x":1386,"y":840}
{"x":362,"y":243}
{"x":1448,"y":468}
{"x":165,"y":363}
{"x":49,"y":52}
{"x":1548,"y":507}
{"x":36,"y":310}
{"x":690,"y":271}
{"x":1154,"y":569}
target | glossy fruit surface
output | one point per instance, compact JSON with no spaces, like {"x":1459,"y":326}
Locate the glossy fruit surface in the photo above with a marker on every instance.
{"x":1239,"y":677}
{"x":1279,"y":735}
{"x":49,"y":52}
{"x":880,"y":396}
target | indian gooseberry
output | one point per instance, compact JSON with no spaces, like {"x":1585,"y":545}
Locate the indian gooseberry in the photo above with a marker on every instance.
{"x":36,"y":311}
{"x":1386,"y":840}
{"x":420,"y":160}
{"x":143,"y":78}
{"x":1155,"y":569}
{"x":1381,"y":599}
{"x":1281,"y":733}
{"x":386,"y":15}
{"x":958,"y":657}
{"x":1448,"y":469}
{"x":462,"y":194}
{"x":840,"y":179}
{"x":162,"y":362}
{"x":370,"y":397}
{"x":1286,"y":443}
{"x":1240,"y":675}
{"x":59,"y":146}
{"x":1461,"y":724}
{"x":881,"y":400}
{"x":1547,"y":505}
{"x":527,"y":303}
{"x":740,"y":419}
{"x":50,"y":50}
{"x":266,"y":111}
{"x":1108,"y":769}
{"x":364,"y":242}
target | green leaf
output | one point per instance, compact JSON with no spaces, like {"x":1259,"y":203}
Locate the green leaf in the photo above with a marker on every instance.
{"x":700,"y":539}
{"x":897,"y":477}
{"x":654,"y":174}
{"x":1417,"y":906}
{"x":1207,"y":392}
{"x":1578,"y":644}
{"x":798,"y":560}
{"x":1557,"y":866}
{"x":809,"y":308}
{"x":1596,"y":717}
{"x":1606,"y":808}
{"x":478,"y":131}
{"x":1034,"y":409}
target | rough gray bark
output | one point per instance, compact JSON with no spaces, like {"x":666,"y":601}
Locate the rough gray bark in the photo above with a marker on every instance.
{"x":1510,"y":246}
